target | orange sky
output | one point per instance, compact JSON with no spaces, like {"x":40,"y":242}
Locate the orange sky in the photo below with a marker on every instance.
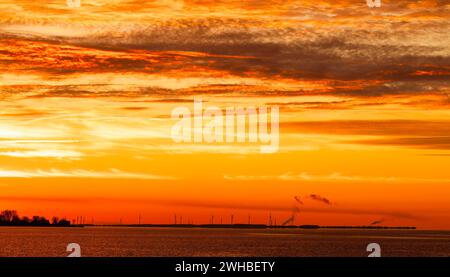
{"x":87,"y":94}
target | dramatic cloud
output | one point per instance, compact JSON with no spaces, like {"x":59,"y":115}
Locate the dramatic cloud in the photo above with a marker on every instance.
{"x":372,"y":127}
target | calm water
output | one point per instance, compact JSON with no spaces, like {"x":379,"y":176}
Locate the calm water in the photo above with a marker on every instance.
{"x":137,"y":242}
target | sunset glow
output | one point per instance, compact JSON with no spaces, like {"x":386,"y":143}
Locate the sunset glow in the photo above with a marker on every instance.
{"x":363,"y":96}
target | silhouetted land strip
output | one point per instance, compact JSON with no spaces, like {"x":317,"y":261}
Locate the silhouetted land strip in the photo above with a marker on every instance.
{"x":11,"y":218}
{"x":256,"y":226}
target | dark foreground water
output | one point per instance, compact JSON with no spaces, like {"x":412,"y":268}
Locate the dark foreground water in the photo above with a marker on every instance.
{"x":143,"y":242}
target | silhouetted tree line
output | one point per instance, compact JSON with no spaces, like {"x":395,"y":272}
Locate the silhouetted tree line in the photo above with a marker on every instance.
{"x":12,"y":218}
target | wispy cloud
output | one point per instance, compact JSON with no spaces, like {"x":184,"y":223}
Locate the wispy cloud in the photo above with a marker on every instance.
{"x":336,"y":176}
{"x":78,"y":173}
{"x":43,"y":154}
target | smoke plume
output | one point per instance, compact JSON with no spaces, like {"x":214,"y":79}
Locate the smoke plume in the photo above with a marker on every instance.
{"x":320,"y":199}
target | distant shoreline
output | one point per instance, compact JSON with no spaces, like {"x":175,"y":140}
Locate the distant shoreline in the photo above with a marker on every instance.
{"x":45,"y":226}
{"x":254,"y":226}
{"x":223,"y":226}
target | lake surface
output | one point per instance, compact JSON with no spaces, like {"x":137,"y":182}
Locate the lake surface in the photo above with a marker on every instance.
{"x":148,"y":242}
